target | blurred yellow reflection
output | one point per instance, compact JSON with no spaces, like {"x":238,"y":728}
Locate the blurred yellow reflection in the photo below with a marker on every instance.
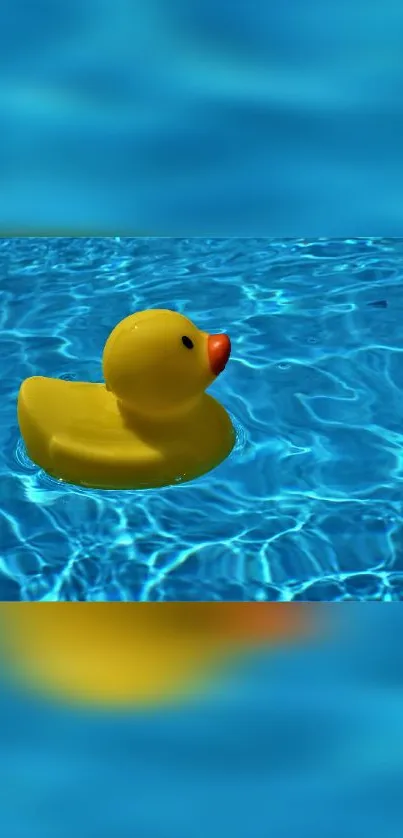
{"x":136,"y":653}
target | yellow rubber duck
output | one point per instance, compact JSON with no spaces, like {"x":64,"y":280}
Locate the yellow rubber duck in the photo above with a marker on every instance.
{"x":137,"y":654}
{"x":150,"y":425}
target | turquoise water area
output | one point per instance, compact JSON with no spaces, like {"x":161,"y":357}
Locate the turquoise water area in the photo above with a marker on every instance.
{"x":174,"y":117}
{"x":301,"y":743}
{"x":308,"y":505}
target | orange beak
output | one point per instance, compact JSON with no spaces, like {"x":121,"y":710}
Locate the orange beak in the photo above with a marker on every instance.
{"x":265,"y":622}
{"x":219,"y":350}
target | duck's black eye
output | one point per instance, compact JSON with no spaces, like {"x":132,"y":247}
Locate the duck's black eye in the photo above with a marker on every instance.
{"x":187,"y":342}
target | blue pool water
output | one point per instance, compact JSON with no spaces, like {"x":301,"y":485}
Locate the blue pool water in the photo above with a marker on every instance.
{"x":309,"y":504}
{"x":174,"y":117}
{"x":306,"y":743}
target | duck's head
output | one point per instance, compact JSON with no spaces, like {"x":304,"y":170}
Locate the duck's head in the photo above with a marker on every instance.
{"x":158,"y":361}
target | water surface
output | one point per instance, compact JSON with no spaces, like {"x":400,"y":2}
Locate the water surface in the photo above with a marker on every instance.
{"x":309,"y":504}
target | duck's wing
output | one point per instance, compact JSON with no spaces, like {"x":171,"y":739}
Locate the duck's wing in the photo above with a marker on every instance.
{"x":103,"y":464}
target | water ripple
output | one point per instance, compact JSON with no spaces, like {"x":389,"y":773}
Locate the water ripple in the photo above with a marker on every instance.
{"x":308,"y":505}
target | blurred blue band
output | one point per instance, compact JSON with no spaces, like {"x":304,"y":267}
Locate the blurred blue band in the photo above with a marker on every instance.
{"x":305,"y":742}
{"x":201,"y":119}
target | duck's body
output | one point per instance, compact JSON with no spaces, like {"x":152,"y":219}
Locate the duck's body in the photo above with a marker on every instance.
{"x":151,"y":424}
{"x":79,"y":433}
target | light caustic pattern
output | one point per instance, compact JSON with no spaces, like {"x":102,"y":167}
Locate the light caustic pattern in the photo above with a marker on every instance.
{"x":308,"y":505}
